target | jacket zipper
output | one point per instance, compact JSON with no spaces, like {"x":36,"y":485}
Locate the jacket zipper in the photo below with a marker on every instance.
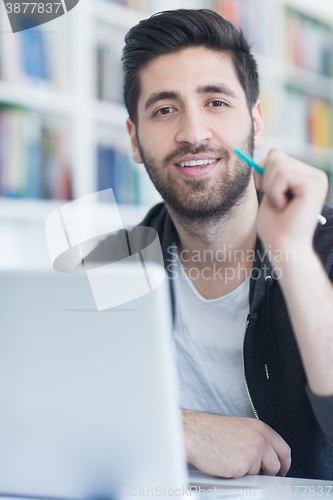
{"x":247,"y":389}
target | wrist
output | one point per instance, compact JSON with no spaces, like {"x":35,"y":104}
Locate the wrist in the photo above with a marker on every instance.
{"x":301,"y":267}
{"x":294,"y":259}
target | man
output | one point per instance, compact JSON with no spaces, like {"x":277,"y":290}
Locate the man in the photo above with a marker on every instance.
{"x":191,"y":91}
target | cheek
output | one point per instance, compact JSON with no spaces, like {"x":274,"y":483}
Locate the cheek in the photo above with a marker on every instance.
{"x":156,"y":142}
{"x":236,"y":133}
{"x":149,"y":150}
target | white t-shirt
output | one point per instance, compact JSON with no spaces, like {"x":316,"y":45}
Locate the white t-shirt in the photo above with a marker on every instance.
{"x":208,"y":343}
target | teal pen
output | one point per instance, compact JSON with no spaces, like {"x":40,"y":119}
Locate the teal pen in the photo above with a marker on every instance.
{"x":249,"y":160}
{"x":239,"y":152}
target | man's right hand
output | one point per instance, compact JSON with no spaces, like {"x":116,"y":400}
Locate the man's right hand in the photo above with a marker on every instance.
{"x":232,"y":447}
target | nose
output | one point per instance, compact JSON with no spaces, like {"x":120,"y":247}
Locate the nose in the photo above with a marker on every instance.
{"x":193,"y":129}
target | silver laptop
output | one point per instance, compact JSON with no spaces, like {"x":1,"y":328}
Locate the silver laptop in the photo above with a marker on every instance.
{"x":87,"y":398}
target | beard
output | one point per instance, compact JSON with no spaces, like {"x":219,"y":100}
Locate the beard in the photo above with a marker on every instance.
{"x":202,"y":199}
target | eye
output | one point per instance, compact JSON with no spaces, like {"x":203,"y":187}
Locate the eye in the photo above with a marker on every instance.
{"x":164,"y":111}
{"x":218,"y":104}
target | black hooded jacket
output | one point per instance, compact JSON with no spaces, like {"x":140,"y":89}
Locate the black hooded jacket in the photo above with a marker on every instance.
{"x":274,"y":373}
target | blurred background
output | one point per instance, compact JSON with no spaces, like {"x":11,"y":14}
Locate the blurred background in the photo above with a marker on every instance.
{"x":62,"y":119}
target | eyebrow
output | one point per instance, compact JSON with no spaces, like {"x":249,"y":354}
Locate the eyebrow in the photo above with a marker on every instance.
{"x":204,"y":89}
{"x":160,"y":96}
{"x":220,"y":88}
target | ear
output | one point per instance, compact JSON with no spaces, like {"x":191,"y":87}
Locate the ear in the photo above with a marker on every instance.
{"x":258,"y":122}
{"x":134,"y":143}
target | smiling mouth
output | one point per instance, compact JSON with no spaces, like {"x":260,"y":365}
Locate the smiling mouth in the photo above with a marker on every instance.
{"x":197,"y":163}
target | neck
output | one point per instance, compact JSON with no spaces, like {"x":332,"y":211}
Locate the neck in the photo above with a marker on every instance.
{"x":235,"y":231}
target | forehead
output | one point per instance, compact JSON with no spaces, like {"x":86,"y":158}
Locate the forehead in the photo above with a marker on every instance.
{"x":187,"y":69}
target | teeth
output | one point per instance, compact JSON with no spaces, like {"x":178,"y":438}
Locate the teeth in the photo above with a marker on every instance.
{"x":197,"y":163}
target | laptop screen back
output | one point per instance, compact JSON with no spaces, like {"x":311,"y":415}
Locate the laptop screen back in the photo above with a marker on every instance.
{"x":87,"y":398}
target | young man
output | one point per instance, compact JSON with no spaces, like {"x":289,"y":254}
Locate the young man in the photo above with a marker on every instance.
{"x":191,"y":91}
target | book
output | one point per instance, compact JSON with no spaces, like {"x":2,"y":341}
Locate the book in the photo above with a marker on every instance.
{"x":34,"y":157}
{"x":109,"y":72}
{"x":105,"y":168}
{"x":32,"y":148}
{"x":320,"y":123}
{"x":62,"y":178}
{"x":309,"y":43}
{"x":117,"y":170}
{"x":12,"y":67}
{"x":13,"y":154}
{"x":34,"y":54}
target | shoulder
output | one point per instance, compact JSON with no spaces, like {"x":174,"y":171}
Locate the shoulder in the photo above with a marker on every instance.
{"x":155,"y":216}
{"x":128,"y":241}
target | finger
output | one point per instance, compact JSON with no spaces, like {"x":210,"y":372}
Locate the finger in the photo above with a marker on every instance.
{"x":270,"y":464}
{"x":277,"y":188}
{"x":283,"y":451}
{"x":293,"y":177}
{"x":285,"y":465}
{"x":255,"y":467}
{"x":263,"y":163}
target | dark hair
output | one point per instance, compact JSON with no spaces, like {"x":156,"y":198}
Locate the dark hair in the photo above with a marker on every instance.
{"x":171,"y":31}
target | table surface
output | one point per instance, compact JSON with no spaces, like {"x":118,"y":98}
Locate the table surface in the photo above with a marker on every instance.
{"x":272,"y":487}
{"x":248,"y":487}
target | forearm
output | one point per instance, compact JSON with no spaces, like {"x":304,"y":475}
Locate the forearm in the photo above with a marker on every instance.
{"x":193,"y":422}
{"x":188,"y":430}
{"x":309,"y":296}
{"x":233,"y":446}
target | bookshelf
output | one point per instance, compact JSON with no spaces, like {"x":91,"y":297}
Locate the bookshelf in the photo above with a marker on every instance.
{"x":76,"y":78}
{"x":65,"y":108}
{"x":297,"y":94}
